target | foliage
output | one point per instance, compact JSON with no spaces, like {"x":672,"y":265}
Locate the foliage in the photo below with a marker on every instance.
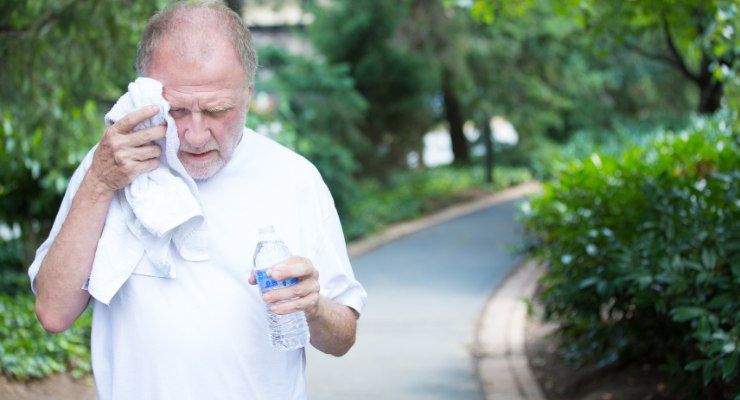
{"x":396,"y":82}
{"x":546,"y":157}
{"x":26,"y":350}
{"x":11,"y":253}
{"x":36,"y":169}
{"x":642,"y":250}
{"x":541,"y":72}
{"x":61,"y":62}
{"x":410,"y":194}
{"x":696,"y":38}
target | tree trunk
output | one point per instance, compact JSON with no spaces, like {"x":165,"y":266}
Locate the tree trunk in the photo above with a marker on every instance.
{"x":453,"y":115}
{"x":710,"y":97}
{"x":710,"y":90}
{"x":420,"y":150}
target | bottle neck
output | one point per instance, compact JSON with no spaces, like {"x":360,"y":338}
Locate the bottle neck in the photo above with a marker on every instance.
{"x":267,"y":234}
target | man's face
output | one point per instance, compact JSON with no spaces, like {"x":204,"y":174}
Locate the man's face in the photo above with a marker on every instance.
{"x":204,"y":83}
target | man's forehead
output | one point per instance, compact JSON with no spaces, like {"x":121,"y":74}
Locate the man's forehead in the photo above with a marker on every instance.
{"x":205,"y":80}
{"x":185,"y":97}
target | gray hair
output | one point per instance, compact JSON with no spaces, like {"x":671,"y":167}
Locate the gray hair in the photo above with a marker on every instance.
{"x":165,"y":21}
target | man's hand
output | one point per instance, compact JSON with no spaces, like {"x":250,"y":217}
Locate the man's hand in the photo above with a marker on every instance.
{"x":303,"y":296}
{"x":332,"y":325}
{"x":122,"y":154}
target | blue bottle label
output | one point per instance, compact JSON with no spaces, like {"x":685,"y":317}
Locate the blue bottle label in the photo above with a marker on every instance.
{"x":266,"y":283}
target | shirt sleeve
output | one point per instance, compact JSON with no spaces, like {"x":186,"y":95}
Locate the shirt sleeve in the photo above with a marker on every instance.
{"x":74,"y":184}
{"x":336,"y":277}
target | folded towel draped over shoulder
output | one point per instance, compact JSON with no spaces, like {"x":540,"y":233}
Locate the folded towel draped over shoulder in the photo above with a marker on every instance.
{"x":157,"y":214}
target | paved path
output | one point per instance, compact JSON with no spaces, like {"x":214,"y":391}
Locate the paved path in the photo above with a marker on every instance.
{"x":425,"y":291}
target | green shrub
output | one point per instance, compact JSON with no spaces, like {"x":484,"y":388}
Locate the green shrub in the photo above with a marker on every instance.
{"x":410,"y":194}
{"x":642,"y":250}
{"x":26,"y":350}
{"x":35,"y":170}
{"x":543,"y":155}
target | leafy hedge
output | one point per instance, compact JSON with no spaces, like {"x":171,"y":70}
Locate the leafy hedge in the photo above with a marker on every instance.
{"x":26,"y":350}
{"x":409,"y":194}
{"x":643,"y":259}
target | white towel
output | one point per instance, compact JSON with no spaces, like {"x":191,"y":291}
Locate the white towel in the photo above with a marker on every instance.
{"x":158,"y":210}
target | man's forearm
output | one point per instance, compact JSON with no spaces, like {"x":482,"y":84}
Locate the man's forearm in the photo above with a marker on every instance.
{"x":333,"y":327}
{"x":66,"y":267}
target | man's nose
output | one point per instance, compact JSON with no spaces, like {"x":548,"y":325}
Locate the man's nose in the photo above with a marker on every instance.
{"x":197,"y":134}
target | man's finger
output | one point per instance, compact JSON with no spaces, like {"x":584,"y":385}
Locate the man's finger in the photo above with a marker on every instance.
{"x":144,"y":136}
{"x":301,"y":304}
{"x":286,"y":271}
{"x":146,"y":166}
{"x":252,"y":280}
{"x":301,"y":289}
{"x":130,"y":120}
{"x":147,"y":152}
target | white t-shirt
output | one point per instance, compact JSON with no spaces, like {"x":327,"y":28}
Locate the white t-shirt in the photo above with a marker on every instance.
{"x":203,"y":335}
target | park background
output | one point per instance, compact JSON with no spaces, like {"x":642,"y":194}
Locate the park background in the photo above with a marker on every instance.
{"x":626,"y":111}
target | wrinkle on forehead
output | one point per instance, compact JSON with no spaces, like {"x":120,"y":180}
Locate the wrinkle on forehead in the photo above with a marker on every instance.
{"x":202,"y":59}
{"x":200,"y":98}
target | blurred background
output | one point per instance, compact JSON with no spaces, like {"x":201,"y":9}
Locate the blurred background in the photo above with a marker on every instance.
{"x":627,"y":111}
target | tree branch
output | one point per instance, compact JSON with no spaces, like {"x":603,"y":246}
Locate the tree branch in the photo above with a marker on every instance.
{"x":647,"y":54}
{"x":10,"y":31}
{"x":675,"y":54}
{"x":673,"y":58}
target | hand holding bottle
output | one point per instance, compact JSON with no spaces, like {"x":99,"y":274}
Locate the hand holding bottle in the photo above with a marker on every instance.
{"x":302,"y":296}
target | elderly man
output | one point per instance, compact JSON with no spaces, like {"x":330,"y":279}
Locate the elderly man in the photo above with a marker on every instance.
{"x":203,"y":334}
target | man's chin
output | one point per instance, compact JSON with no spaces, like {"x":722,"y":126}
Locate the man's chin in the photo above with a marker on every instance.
{"x":203,"y":172}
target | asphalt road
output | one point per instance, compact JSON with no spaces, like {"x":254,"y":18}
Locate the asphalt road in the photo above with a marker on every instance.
{"x":425,"y":292}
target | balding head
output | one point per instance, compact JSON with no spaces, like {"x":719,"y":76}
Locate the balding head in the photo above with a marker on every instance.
{"x":189,"y":30}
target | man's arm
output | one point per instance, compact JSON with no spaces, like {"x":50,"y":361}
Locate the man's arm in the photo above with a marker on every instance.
{"x":333,"y":326}
{"x":60,"y":298}
{"x":119,"y":158}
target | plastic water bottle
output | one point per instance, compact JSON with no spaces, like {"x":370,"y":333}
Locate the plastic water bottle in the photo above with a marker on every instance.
{"x":289,"y":331}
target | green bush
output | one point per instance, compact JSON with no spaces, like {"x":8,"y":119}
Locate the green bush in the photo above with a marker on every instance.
{"x":642,"y":250}
{"x":410,"y":194}
{"x":26,"y":350}
{"x":543,"y":155}
{"x":35,"y":170}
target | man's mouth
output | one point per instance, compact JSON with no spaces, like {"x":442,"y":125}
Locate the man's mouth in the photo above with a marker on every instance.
{"x":199,"y":156}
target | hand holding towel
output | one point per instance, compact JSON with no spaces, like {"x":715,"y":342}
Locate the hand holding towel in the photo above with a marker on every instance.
{"x":158,"y":212}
